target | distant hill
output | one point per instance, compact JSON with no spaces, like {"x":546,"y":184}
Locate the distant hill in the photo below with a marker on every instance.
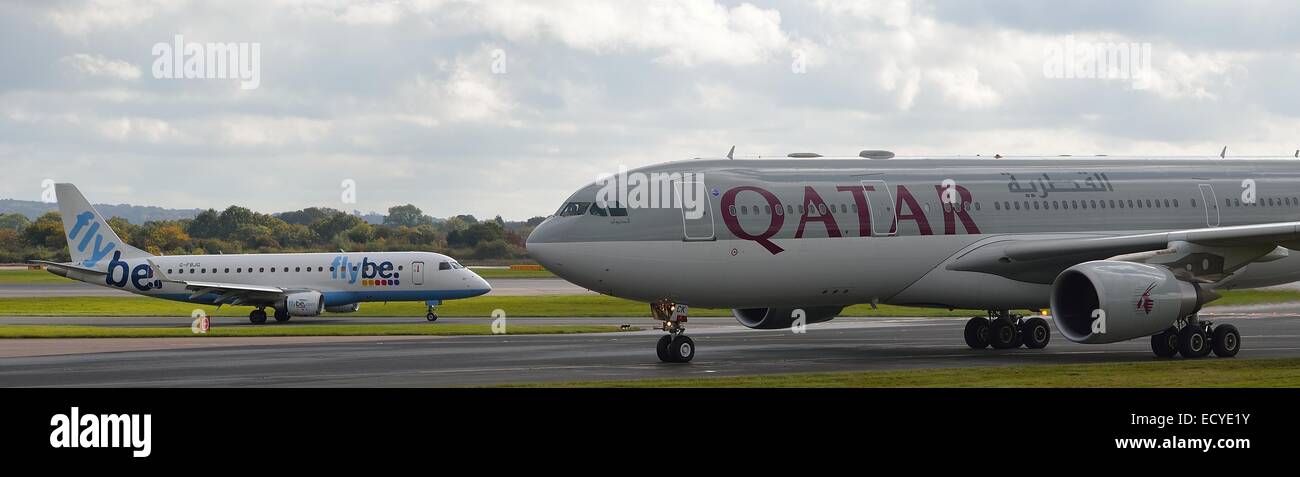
{"x":136,"y":214}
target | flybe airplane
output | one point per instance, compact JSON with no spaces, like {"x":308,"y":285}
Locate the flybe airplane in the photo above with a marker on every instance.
{"x":291,"y":284}
{"x":1117,"y":248}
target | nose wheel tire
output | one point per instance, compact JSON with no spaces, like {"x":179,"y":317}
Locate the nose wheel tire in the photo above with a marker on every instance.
{"x":977,"y":332}
{"x":1035,"y":333}
{"x":1226,"y":341}
{"x":257,"y":317}
{"x":431,"y":316}
{"x":1165,"y":343}
{"x":681,"y":349}
{"x":1192,"y":342}
{"x":661,"y":348}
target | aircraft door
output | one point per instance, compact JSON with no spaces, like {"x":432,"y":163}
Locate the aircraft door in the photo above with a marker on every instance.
{"x":417,"y":273}
{"x":880,"y":203}
{"x":1211,"y":205}
{"x":695,"y":204}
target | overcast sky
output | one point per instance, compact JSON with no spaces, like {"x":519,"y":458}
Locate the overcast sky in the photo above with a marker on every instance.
{"x":505,"y":107}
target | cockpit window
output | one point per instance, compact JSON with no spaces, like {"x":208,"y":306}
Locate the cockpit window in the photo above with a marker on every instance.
{"x":597,"y":210}
{"x":617,"y":210}
{"x":573,"y":208}
{"x":444,"y":266}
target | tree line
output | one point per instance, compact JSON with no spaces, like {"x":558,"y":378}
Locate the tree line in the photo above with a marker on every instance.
{"x":314,"y":229}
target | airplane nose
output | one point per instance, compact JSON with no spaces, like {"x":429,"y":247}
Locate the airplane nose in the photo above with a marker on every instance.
{"x":545,"y":233}
{"x":477,"y":284}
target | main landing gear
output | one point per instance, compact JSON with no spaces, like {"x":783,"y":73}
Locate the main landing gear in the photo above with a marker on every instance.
{"x":1003,"y":330}
{"x":674,"y":347}
{"x":281,"y":316}
{"x":1193,"y":338}
{"x":257,"y":316}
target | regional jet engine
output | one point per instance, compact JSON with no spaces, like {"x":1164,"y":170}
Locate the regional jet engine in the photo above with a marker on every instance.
{"x":1108,"y":301}
{"x":308,"y":303}
{"x":777,"y":318}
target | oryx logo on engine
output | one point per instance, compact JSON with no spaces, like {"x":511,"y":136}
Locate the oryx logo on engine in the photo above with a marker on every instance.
{"x":1145,"y":302}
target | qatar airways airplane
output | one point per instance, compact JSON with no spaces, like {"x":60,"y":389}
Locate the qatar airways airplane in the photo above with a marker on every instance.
{"x":292,"y":284}
{"x":1117,"y":247}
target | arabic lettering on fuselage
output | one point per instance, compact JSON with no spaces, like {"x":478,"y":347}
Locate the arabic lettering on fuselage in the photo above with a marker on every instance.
{"x":1043,"y":185}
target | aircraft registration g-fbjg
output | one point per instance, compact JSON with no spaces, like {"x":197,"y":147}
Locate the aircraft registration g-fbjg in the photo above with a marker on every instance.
{"x":1117,"y":247}
{"x":292,"y":284}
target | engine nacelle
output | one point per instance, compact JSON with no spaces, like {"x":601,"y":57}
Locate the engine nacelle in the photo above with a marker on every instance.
{"x":352,"y":308}
{"x":1137,"y":299}
{"x":308,"y":303}
{"x":778,"y":318}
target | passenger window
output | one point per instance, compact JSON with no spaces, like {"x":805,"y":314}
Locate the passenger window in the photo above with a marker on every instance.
{"x":732,"y":210}
{"x":261,"y":269}
{"x":790,"y":209}
{"x":444,"y":266}
{"x":297,"y":269}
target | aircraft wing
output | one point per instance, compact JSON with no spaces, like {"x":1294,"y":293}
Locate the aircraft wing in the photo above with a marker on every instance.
{"x":228,"y":293}
{"x":1204,"y":255}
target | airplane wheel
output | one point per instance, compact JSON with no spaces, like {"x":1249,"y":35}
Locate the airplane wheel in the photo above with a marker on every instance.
{"x":431,"y":316}
{"x":1036,"y":333}
{"x":681,"y":349}
{"x":281,"y":316}
{"x":661,"y":348}
{"x":977,"y":333}
{"x":257,"y":317}
{"x":1003,"y":334}
{"x":1226,"y":341}
{"x":1192,"y":342}
{"x":1165,"y":343}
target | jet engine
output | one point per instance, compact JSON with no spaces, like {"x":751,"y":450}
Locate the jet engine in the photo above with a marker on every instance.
{"x":351,"y":308}
{"x":308,"y":303}
{"x":777,"y":318}
{"x":1107,"y":301}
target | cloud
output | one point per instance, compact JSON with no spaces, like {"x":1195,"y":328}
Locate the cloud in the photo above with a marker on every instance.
{"x":677,"y":32}
{"x":100,"y":15}
{"x":96,"y":65}
{"x":407,"y":98}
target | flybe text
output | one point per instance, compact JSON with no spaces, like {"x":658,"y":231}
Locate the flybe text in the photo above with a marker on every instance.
{"x":344,"y":269}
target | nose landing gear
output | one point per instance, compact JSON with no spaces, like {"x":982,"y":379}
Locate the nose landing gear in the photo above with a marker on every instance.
{"x":432,"y":315}
{"x":675,"y":347}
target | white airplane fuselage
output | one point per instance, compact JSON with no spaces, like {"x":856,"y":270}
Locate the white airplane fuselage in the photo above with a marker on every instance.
{"x":800,"y":233}
{"x":342,"y":278}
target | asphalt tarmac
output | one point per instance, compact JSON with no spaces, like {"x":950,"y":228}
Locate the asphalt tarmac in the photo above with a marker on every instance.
{"x":724,"y":349}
